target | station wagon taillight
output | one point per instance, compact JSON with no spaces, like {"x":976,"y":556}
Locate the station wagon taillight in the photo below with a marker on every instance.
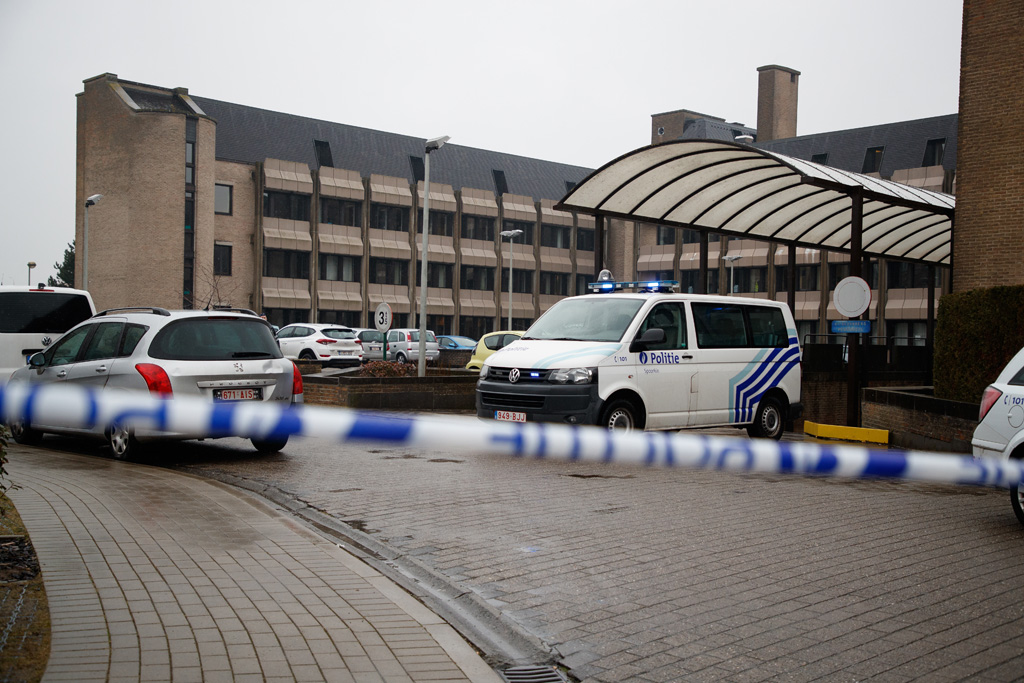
{"x":296,"y":380}
{"x":988,"y":399}
{"x":156,"y":379}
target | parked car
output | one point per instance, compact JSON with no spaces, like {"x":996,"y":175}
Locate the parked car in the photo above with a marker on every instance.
{"x":453,"y":343}
{"x":330,"y":344}
{"x":1000,"y":430}
{"x":404,"y":346}
{"x":372,"y":342}
{"x":31,"y":318}
{"x":225,"y":355}
{"x":488,"y":344}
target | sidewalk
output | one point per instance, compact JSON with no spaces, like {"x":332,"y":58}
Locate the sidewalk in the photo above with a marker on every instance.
{"x":156,"y":575}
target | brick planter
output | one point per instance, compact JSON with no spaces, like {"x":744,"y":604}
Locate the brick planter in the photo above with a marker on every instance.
{"x":917,"y":420}
{"x":447,"y":391}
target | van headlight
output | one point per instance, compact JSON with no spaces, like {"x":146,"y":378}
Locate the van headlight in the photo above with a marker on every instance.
{"x":573,"y":376}
{"x":483,"y":372}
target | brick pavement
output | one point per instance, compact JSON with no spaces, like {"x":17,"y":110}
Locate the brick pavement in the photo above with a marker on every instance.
{"x":157,"y":575}
{"x":631,"y":574}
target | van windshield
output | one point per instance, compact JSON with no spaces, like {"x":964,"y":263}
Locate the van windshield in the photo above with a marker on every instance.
{"x":41,"y":312}
{"x":597,"y":319}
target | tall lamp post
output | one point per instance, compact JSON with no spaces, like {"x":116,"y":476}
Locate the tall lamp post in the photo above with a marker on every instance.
{"x":31,"y":265}
{"x":731,"y":259}
{"x":511,"y":235}
{"x":85,"y":240}
{"x":432,"y":145}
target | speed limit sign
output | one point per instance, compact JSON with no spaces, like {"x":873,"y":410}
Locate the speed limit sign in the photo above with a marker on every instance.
{"x":382,"y":318}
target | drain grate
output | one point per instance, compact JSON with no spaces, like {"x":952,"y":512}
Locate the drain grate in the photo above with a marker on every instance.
{"x":533,"y":674}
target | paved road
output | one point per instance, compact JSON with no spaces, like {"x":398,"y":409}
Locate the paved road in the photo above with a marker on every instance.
{"x":625,"y":574}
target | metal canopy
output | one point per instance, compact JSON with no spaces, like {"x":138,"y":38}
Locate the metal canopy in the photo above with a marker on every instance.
{"x":748,"y":192}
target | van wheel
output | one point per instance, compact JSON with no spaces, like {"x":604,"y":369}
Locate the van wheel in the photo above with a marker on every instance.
{"x":400,"y":357}
{"x":768,"y":424}
{"x":122,"y":442}
{"x":620,"y":414}
{"x":25,"y":435}
{"x":269,"y":446}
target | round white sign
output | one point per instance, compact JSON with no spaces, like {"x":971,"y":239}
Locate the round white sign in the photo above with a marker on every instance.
{"x":852,"y":296}
{"x":382,"y":318}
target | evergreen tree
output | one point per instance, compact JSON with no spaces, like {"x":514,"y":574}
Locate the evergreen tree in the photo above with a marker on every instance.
{"x":65,"y":269}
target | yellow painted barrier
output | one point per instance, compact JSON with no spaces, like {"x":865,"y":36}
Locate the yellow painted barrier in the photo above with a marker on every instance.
{"x":846,"y":433}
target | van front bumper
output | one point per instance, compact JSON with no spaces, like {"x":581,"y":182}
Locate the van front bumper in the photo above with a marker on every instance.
{"x":540,"y":401}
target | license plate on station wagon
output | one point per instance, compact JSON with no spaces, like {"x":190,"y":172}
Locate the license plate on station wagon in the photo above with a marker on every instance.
{"x":509,"y":416}
{"x":238,"y":394}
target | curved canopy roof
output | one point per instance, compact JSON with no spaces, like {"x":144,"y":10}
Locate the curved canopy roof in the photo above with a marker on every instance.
{"x":743,"y":191}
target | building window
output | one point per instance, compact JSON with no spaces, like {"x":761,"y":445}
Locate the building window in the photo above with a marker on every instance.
{"x":522,"y":282}
{"x":441,"y":223}
{"x":904,"y":275}
{"x":439,"y":324}
{"x":693,"y":236}
{"x":438,"y":274}
{"x":478,"y":278}
{"x":340,"y":267}
{"x":656,"y":275}
{"x":821,"y":158}
{"x":581,"y":284}
{"x":286,"y":316}
{"x":584,"y":239}
{"x":222,"y":199}
{"x":666,"y":235}
{"x":557,"y":236}
{"x":933,"y":152}
{"x":477,"y":227}
{"x":872,"y":160}
{"x":345,"y":318}
{"x":554,"y":283}
{"x":521,"y":323}
{"x":475,"y":326}
{"x":389,"y":271}
{"x":751,"y":279}
{"x":287,"y":205}
{"x":222,"y":258}
{"x":806,"y":278}
{"x":323,"y":153}
{"x":525,"y":226}
{"x":500,"y":184}
{"x":341,"y":211}
{"x":387,"y":217}
{"x":286,"y":263}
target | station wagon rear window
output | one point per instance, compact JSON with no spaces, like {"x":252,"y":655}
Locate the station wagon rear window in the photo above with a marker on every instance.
{"x":214,"y":339}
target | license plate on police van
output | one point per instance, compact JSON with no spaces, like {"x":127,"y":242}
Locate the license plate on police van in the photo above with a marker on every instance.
{"x":508,"y":416}
{"x":238,"y":394}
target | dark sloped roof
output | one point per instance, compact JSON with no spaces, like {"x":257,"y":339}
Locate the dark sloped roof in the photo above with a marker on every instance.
{"x":252,"y":135}
{"x":904,"y":144}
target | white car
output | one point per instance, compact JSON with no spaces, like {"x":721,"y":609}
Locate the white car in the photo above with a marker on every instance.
{"x":328,"y":344}
{"x":404,"y":346}
{"x":1000,"y":431}
{"x":372,"y":342}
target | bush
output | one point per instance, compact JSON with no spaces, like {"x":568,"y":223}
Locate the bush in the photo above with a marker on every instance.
{"x":976,"y":333}
{"x":388,"y":368}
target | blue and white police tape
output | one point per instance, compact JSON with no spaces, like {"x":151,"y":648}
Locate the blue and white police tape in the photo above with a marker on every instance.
{"x":78,"y":407}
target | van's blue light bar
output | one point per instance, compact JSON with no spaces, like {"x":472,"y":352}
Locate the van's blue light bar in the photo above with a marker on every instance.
{"x":640,"y":285}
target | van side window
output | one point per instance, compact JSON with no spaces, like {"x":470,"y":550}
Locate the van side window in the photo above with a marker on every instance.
{"x":719,"y":326}
{"x":767,"y":327}
{"x":671,"y":317}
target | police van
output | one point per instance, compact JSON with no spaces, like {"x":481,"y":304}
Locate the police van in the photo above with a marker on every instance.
{"x":650,"y":359}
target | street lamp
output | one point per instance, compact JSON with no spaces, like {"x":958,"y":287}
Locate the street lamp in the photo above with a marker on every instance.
{"x":731,"y":258}
{"x":432,"y":145}
{"x":85,"y":240}
{"x":31,"y":265}
{"x":511,"y":235}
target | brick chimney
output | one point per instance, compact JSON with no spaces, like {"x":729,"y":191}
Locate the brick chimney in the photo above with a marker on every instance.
{"x":776,"y":102}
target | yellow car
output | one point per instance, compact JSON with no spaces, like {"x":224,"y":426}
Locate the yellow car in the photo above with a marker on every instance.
{"x":488,"y":344}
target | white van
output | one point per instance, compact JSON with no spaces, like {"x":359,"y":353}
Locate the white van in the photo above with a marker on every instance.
{"x":32,"y":318}
{"x":650,"y":360}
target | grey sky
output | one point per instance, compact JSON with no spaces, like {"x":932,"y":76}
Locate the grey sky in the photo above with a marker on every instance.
{"x":568,"y":81}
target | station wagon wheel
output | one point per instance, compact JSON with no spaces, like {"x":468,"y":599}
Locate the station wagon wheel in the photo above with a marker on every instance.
{"x":768,"y":423}
{"x":268,"y":446}
{"x":122,"y":442}
{"x":25,"y":435}
{"x":620,"y":414}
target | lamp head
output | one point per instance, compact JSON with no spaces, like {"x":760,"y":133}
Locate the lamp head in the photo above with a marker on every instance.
{"x":92,"y":199}
{"x":511,"y":234}
{"x":437,"y":143}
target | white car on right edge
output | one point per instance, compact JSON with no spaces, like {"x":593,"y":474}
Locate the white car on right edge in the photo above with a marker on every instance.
{"x":1000,"y":420}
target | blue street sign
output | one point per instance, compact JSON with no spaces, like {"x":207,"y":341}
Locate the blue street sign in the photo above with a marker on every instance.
{"x":851,"y":326}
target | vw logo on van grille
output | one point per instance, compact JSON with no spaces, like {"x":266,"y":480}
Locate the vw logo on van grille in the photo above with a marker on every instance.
{"x":513,"y":375}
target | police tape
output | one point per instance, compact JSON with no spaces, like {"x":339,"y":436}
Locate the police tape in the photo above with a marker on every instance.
{"x":77,"y":407}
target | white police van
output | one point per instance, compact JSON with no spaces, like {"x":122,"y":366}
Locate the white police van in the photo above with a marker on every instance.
{"x":650,"y":359}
